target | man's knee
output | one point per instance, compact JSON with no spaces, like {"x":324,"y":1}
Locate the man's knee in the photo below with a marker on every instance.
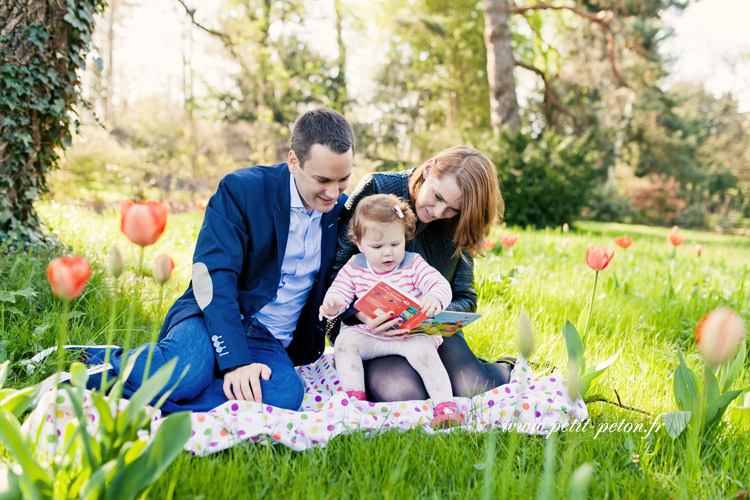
{"x":284,"y":390}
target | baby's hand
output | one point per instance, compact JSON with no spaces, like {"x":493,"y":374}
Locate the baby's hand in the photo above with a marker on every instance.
{"x":331,"y":307}
{"x":430,"y":305}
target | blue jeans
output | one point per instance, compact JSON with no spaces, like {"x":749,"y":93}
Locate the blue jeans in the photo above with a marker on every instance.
{"x":202,"y":387}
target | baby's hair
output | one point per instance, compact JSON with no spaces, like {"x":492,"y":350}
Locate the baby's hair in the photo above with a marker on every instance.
{"x":381,"y":208}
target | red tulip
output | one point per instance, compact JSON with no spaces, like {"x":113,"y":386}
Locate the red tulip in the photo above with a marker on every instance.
{"x":698,"y":250}
{"x":508,"y":240}
{"x":68,"y":276}
{"x":143,"y":223}
{"x":201,"y":205}
{"x":599,"y":258}
{"x":719,"y":334}
{"x":624,"y":241}
{"x":163,"y":265}
{"x":489,"y":243}
{"x":676,"y":238}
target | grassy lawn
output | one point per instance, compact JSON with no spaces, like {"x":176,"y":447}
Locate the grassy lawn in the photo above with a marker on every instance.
{"x":636,"y":311}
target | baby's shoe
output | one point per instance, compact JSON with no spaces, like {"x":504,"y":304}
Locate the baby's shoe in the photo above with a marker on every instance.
{"x":446,"y":416}
{"x":359,"y":395}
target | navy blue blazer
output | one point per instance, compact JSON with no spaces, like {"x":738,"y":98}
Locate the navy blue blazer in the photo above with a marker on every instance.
{"x":241,"y":245}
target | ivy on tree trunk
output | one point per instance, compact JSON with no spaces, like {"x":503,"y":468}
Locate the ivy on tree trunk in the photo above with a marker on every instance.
{"x":43,"y":45}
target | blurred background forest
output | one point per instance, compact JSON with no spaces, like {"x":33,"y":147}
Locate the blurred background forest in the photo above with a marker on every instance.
{"x":589,"y":121}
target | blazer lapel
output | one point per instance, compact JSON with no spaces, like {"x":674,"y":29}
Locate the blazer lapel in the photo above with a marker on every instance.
{"x":282,"y":207}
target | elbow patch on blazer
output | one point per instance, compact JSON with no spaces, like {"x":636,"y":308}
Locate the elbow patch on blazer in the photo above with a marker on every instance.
{"x":203,"y":286}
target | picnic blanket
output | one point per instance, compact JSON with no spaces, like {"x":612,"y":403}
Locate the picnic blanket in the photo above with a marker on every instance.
{"x":528,"y":404}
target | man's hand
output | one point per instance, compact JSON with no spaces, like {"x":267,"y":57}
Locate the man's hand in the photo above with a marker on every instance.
{"x":331,"y":307}
{"x":244,"y":382}
{"x":383,"y":324}
{"x":430,"y":305}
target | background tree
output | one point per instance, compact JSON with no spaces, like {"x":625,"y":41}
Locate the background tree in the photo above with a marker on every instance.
{"x":42,"y":48}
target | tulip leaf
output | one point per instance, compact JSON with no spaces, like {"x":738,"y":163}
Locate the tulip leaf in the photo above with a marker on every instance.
{"x":685,"y":386}
{"x":11,"y":487}
{"x":146,"y":393}
{"x":675,"y":422}
{"x":13,"y":438}
{"x":573,"y":343}
{"x":76,"y":400}
{"x":596,"y":372}
{"x":3,"y":372}
{"x":730,"y":372}
{"x":711,"y":384}
{"x":17,"y":402}
{"x":716,"y":408}
{"x":168,"y":442}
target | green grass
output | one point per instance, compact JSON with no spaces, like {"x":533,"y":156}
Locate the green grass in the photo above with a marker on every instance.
{"x":634,"y":311}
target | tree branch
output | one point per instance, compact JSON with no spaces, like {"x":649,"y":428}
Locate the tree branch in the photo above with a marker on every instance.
{"x":600,"y":18}
{"x":548,"y":95}
{"x":223,"y":36}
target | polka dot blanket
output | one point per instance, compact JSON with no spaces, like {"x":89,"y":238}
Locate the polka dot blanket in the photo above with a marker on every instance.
{"x":528,"y":404}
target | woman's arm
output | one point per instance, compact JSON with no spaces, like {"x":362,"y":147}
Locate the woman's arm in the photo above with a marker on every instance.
{"x":462,"y":285}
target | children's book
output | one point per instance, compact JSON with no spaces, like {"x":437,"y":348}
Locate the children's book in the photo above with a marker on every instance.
{"x":385,"y":298}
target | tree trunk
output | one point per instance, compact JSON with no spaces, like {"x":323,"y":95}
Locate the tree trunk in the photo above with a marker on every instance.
{"x":40,"y":53}
{"x":497,"y":38}
{"x":341,"y":96}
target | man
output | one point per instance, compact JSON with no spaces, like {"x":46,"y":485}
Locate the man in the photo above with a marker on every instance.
{"x":250,"y":313}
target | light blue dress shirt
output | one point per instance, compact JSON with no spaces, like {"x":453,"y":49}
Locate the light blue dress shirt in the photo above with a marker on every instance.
{"x":301,"y":264}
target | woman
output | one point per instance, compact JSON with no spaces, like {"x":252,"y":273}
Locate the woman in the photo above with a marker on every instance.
{"x":456,"y":197}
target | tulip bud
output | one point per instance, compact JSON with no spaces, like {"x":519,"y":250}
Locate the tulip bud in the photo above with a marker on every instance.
{"x":525,"y":335}
{"x":675,"y":229}
{"x":566,"y":242}
{"x":565,"y":228}
{"x":163,"y":265}
{"x":116,"y":263}
{"x":698,"y":250}
{"x":68,"y":276}
{"x":719,"y":334}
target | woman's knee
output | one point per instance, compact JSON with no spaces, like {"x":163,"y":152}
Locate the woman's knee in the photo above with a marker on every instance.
{"x":392,"y":378}
{"x":284,"y":389}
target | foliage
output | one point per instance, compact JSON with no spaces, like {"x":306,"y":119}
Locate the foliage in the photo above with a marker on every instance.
{"x":117,"y":464}
{"x":433,"y":86}
{"x":39,"y":62}
{"x":657,"y":199}
{"x":545,"y":180}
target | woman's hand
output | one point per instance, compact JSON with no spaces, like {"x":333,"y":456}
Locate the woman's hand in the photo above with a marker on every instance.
{"x":331,"y":307}
{"x":383,"y":325}
{"x":430,"y":305}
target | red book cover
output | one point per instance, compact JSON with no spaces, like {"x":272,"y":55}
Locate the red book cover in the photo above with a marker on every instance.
{"x":387,"y":298}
